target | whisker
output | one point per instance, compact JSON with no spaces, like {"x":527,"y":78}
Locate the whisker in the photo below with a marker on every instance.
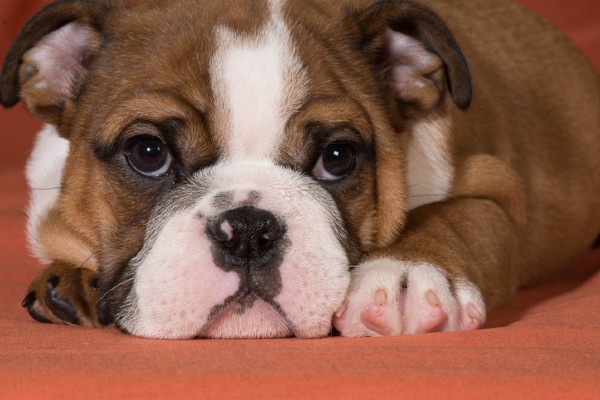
{"x":114,"y":288}
{"x":47,"y":188}
{"x":427,"y":195}
{"x":89,"y":258}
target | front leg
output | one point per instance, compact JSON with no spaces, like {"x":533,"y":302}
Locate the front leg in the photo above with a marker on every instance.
{"x":454,"y":260}
{"x":64,"y":294}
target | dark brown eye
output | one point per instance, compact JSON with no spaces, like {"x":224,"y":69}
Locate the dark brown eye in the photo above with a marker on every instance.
{"x":149,"y":156}
{"x":336,"y":161}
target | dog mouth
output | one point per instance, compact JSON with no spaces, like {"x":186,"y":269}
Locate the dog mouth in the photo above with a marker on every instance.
{"x":248,"y":308}
{"x":243,"y":301}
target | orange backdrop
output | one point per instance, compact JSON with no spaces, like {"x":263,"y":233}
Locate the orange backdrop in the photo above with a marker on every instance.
{"x":545,"y":344}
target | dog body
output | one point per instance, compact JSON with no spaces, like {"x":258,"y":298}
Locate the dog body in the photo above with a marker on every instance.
{"x":271,"y":168}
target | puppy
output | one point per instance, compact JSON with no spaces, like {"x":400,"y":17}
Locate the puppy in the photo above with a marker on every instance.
{"x":270,"y":168}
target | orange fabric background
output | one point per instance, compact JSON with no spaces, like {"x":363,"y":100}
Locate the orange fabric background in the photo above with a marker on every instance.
{"x":545,"y":344}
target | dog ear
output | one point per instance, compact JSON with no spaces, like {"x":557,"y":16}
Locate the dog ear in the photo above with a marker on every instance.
{"x":52,"y":54}
{"x":417,"y":55}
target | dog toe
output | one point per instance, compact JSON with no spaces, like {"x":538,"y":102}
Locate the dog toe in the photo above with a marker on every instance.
{"x":59,"y":305}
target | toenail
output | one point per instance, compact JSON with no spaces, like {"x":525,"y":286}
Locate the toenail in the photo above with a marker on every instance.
{"x":29,"y":299}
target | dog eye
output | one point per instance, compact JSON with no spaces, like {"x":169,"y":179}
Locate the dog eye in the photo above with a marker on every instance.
{"x":149,"y":156}
{"x":337,"y":161}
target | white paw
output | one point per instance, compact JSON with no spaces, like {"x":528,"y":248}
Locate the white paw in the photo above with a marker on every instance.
{"x":389,"y":298}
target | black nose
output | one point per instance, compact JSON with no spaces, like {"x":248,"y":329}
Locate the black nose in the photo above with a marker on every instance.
{"x":246,"y":235}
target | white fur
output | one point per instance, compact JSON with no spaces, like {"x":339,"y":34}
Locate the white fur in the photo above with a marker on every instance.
{"x":44,"y":172}
{"x":406,"y":309}
{"x":258,"y":82}
{"x":430,"y":171}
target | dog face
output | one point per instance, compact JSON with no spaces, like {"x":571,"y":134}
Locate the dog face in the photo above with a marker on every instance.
{"x":227,"y":164}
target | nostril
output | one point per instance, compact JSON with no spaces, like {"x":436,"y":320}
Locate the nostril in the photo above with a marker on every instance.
{"x":265,"y":241}
{"x":246,"y":232}
{"x":269,"y":234}
{"x":231,"y":242}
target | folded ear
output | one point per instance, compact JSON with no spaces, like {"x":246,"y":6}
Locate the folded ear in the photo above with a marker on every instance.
{"x":417,"y":55}
{"x":52,"y":54}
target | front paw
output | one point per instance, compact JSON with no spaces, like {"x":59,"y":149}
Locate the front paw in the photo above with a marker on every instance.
{"x":63,"y":294}
{"x":389,"y":298}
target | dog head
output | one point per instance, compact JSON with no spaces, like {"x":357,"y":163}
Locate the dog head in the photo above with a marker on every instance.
{"x":224,"y":164}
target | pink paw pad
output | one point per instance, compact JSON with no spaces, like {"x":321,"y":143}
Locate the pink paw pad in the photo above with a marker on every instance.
{"x":374,"y":318}
{"x":434,"y":317}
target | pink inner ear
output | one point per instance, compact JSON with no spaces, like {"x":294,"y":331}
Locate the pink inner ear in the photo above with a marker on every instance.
{"x":60,"y":59}
{"x":408,"y":51}
{"x":412,"y":70}
{"x":411,"y":63}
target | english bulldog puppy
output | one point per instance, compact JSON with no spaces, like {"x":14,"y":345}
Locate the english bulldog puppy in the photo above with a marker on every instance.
{"x":276,"y":168}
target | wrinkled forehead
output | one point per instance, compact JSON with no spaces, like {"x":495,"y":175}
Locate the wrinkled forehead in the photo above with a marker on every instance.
{"x":233,"y":64}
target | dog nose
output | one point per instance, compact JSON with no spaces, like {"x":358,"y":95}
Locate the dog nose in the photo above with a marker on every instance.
{"x":246,"y":235}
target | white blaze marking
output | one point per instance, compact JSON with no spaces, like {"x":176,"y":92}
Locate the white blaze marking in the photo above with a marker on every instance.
{"x":258,"y":82}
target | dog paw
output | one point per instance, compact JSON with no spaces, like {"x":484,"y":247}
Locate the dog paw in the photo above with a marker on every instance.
{"x":390,"y":298}
{"x":63,"y":294}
